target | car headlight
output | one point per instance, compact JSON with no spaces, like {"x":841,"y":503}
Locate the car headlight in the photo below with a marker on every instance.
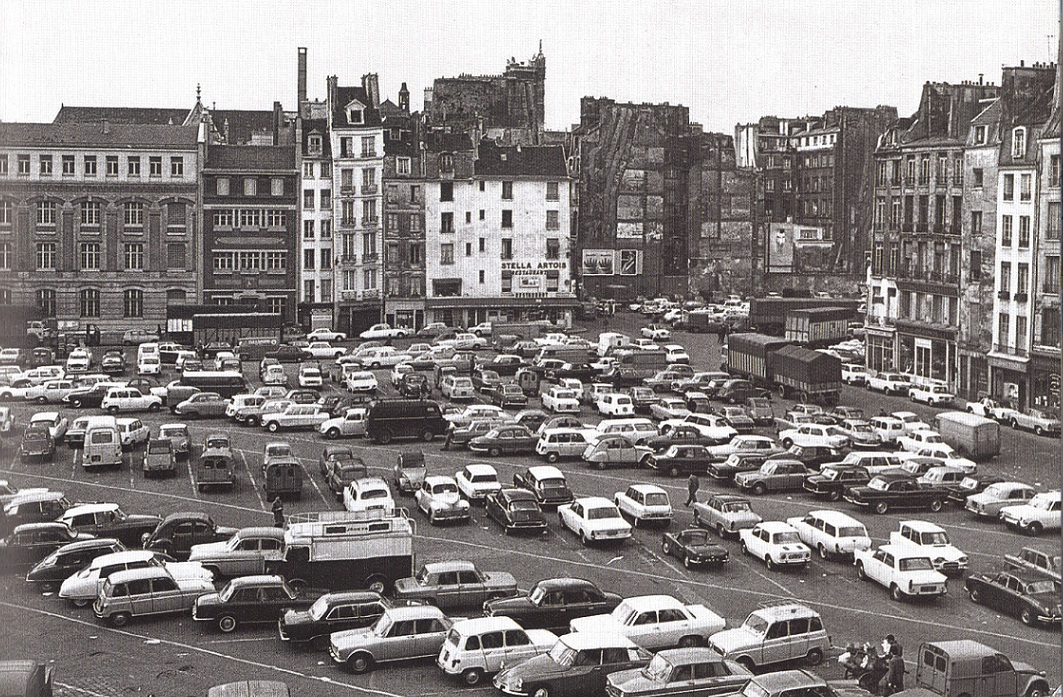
{"x":48,"y":563}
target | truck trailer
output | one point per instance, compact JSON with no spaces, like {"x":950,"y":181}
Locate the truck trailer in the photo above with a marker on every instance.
{"x":791,"y":371}
{"x":817,"y":327}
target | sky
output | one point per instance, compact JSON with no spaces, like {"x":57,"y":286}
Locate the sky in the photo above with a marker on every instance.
{"x":729,"y":62}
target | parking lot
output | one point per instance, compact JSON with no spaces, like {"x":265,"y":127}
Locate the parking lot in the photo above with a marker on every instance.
{"x":174,"y":656}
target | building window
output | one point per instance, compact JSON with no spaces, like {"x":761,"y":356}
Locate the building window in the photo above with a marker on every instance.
{"x":134,"y":256}
{"x":978,"y":177}
{"x":250,"y":218}
{"x":276,"y":186}
{"x":392,"y":253}
{"x":326,"y":199}
{"x":46,"y":165}
{"x":5,"y":256}
{"x":1018,"y":143}
{"x":1009,"y":187}
{"x":895,"y":214}
{"x":368,"y":146}
{"x":1005,"y":230}
{"x":979,"y":135}
{"x":308,"y":199}
{"x":326,"y":290}
{"x":326,"y":259}
{"x":446,"y":191}
{"x":308,"y":170}
{"x":552,"y":191}
{"x":483,"y":214}
{"x":369,"y":279}
{"x":1005,"y":277}
{"x":222,"y":186}
{"x":90,"y":165}
{"x":552,"y":220}
{"x":46,"y":213}
{"x":402,"y":165}
{"x":276,"y":306}
{"x":24,"y":165}
{"x":446,"y":222}
{"x":553,"y":248}
{"x":976,"y":222}
{"x":249,"y":261}
{"x":308,"y":229}
{"x":89,"y":302}
{"x":223,"y":218}
{"x":369,"y":244}
{"x":134,"y":214}
{"x":326,"y":229}
{"x":1020,"y":331}
{"x":175,"y":255}
{"x":1024,"y":231}
{"x":1053,"y":170}
{"x":507,"y":191}
{"x":880,"y":212}
{"x":90,"y":256}
{"x":1025,"y":187}
{"x":368,"y":178}
{"x":468,"y":249}
{"x":446,"y":254}
{"x":924,"y":171}
{"x":177,"y":167}
{"x":3,"y":165}
{"x":308,"y":291}
{"x":176,"y":216}
{"x":507,"y":248}
{"x":416,"y":254}
{"x":250,"y":186}
{"x":112,"y":165}
{"x":468,"y":217}
{"x":224,"y":261}
{"x":507,"y":219}
{"x":346,"y":147}
{"x":155,"y":166}
{"x":6,"y":209}
{"x":326,"y":170}
{"x":90,"y":214}
{"x":507,"y":282}
{"x":46,"y":256}
{"x":132,"y":164}
{"x":276,"y":261}
{"x":630,"y":262}
{"x":133,"y":303}
{"x":446,"y":163}
{"x":1023,"y":278}
{"x":348,"y":216}
{"x":46,"y":301}
{"x":482,"y":277}
{"x":553,"y":279}
{"x":483,"y":244}
{"x":1054,"y":214}
{"x":308,"y":259}
{"x":391,"y":223}
{"x":1051,"y":273}
{"x":369,"y":211}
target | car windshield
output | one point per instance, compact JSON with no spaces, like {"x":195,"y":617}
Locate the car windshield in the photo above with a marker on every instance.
{"x":602,"y":513}
{"x":915,"y":564}
{"x":445,"y":488}
{"x":483,"y":478}
{"x":226,"y":593}
{"x":523,"y":505}
{"x":656,"y":499}
{"x":383,"y":625}
{"x":969,"y":483}
{"x":563,"y":655}
{"x":861,"y":428}
{"x":996,"y":492}
{"x":756,"y":624}
{"x":785,"y":538}
{"x":752,"y":689}
{"x":1041,"y":587}
{"x":830,"y":474}
{"x":737,"y":507}
{"x":658,"y":669}
{"x":878,"y":484}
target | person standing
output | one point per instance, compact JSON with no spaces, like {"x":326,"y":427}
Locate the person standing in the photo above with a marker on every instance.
{"x":894,"y":671}
{"x":278,"y":512}
{"x":692,"y":489}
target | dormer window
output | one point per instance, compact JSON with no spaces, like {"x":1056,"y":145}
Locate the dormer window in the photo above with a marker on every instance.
{"x":1018,"y":143}
{"x":446,"y":162}
{"x":354,"y":115}
{"x":314,"y":145}
{"x":979,"y":135}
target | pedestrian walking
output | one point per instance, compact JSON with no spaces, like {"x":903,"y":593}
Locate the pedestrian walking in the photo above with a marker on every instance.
{"x":278,"y":512}
{"x":692,"y":490}
{"x":895,"y":671}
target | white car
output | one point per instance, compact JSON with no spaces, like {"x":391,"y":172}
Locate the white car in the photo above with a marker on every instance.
{"x":53,"y":391}
{"x":644,"y":503}
{"x":888,"y":383}
{"x":905,"y":572}
{"x":933,"y":541}
{"x":310,"y":376}
{"x":10,"y":393}
{"x":369,"y":494}
{"x":463,"y":653}
{"x":746,"y":443}
{"x":82,"y":588}
{"x":775,"y":543}
{"x":991,"y":409}
{"x":674,"y":353}
{"x":53,"y":421}
{"x":149,"y":365}
{"x":362,"y":381}
{"x":912,"y":421}
{"x":323,"y":349}
{"x":708,"y":425}
{"x":997,"y":497}
{"x":79,"y":360}
{"x":383,"y":357}
{"x":949,"y":458}
{"x":614,"y":404}
{"x":465,"y":341}
{"x":120,"y":399}
{"x":384,"y":331}
{"x":854,"y":374}
{"x":656,"y":332}
{"x":350,"y":425}
{"x":475,"y":482}
{"x":439,"y":499}
{"x":924,"y":441}
{"x":831,"y":532}
{"x":654,"y":622}
{"x":132,"y":432}
{"x":481,"y":329}
{"x":457,"y":387}
{"x":935,"y":395}
{"x":644,"y":345}
{"x":295,"y":416}
{"x":476,"y":411}
{"x":1040,"y":513}
{"x":560,"y":400}
{"x":669,"y":408}
{"x":325,"y":335}
{"x":594,"y":519}
{"x":397,"y":373}
{"x":814,"y":435}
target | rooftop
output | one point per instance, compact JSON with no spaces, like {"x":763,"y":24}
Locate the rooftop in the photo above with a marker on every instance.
{"x":528,"y":160}
{"x":251,"y":157}
{"x":121,"y":115}
{"x":99,"y":135}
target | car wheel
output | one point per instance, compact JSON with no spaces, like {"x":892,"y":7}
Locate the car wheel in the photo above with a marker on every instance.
{"x":814,"y":657}
{"x":835,"y":495}
{"x":494,"y":452}
{"x":551,"y":457}
{"x":747,"y":663}
{"x":384,"y":437}
{"x":936,"y":505}
{"x":787,"y":442}
{"x":273,"y":427}
{"x":112,"y":410}
{"x":760,"y":489}
{"x":823,"y":553}
{"x":882,"y":507}
{"x":1038,"y":431}
{"x":427,"y":436}
{"x":976,"y":595}
{"x":742,"y":545}
{"x":720,"y":530}
{"x":360,"y":663}
{"x":1027,"y":617}
{"x":583,"y":538}
{"x":227,"y":623}
{"x":81,"y":602}
{"x":76,"y":403}
{"x":769,"y":562}
{"x":895,"y":593}
{"x":860,"y":573}
{"x":120,"y":619}
{"x":673,"y":471}
{"x":377,"y":585}
{"x":332,"y":433}
{"x":1035,"y":528}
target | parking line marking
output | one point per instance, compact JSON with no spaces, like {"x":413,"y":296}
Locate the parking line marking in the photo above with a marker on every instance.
{"x":191,"y":479}
{"x":80,"y":690}
{"x":254,"y":485}
{"x":199,"y":649}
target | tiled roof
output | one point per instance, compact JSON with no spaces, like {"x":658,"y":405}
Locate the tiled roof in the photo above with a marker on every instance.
{"x":111,"y":135}
{"x":242,"y":124}
{"x":448,"y":142}
{"x":121,"y":114}
{"x":251,"y":157}
{"x":318,"y":127}
{"x":344,"y":96}
{"x":528,"y":160}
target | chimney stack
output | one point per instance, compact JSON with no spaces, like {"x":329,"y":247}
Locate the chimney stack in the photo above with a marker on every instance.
{"x":301,"y":78}
{"x":980,"y":76}
{"x":371,"y":85}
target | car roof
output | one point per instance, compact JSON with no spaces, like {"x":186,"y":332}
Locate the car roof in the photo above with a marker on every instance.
{"x":186,"y":515}
{"x":146,"y":572}
{"x":44,"y":416}
{"x":88,"y":544}
{"x":785,"y":611}
{"x":480,"y":468}
{"x":444,"y":566}
{"x":260,"y":531}
{"x":414,"y":612}
{"x":545,"y":472}
{"x":376,"y":482}
{"x":652,"y":602}
{"x":89,"y":508}
{"x":46,"y":525}
{"x":352,"y":597}
{"x":256,"y":580}
{"x":647,"y":488}
{"x":834,"y":517}
{"x":903,"y":552}
{"x":514,"y":494}
{"x":775,"y":526}
{"x":784,"y":680}
{"x":597,"y":640}
{"x":479,"y":625}
{"x":34,"y":497}
{"x":594,"y":502}
{"x":125,"y":557}
{"x":439,"y":479}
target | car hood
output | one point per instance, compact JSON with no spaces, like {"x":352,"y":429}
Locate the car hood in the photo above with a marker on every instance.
{"x":539,"y":668}
{"x":79,"y":586}
{"x":295,"y":618}
{"x":504,"y":605}
{"x":407,"y":586}
{"x":705,"y":549}
{"x":1046,"y":600}
{"x":352,"y":638}
{"x":140,"y":519}
{"x":450,"y":499}
{"x":188,"y":570}
{"x":208,"y":550}
{"x":596,"y":623}
{"x":730,"y":640}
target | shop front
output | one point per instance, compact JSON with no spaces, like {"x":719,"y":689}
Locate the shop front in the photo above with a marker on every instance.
{"x":1044,"y":382}
{"x":409,"y":314}
{"x":926,"y":352}
{"x":467,"y":312}
{"x":879,"y":348}
{"x":1008,"y":376}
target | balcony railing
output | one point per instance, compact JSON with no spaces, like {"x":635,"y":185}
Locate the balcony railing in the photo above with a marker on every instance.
{"x":370,"y":220}
{"x":370,"y":258}
{"x":347,"y":190}
{"x":1050,"y":288}
{"x":908,"y":227}
{"x":1004,"y":295}
{"x":368,"y":188}
{"x":1010,"y":350}
{"x":1021,"y":297}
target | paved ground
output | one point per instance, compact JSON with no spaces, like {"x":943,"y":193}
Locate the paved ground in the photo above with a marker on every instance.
{"x":174,"y":656}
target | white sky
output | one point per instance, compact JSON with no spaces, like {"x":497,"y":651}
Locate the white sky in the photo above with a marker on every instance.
{"x":728,"y":61}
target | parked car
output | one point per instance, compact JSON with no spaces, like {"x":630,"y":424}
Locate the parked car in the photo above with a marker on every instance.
{"x":516,"y":510}
{"x":694,"y":548}
{"x":1032,"y":598}
{"x":686,"y":671}
{"x":178,"y":532}
{"x":401,"y":633}
{"x":68,"y":560}
{"x":146,"y":591}
{"x":505,"y":439}
{"x":1034,"y":561}
{"x":546,"y":482}
{"x":989,"y":502}
{"x":477,"y":481}
{"x":774,"y":475}
{"x":202,"y":405}
{"x":905,"y":572}
{"x":889,"y":491}
{"x":654,"y":622}
{"x":775,"y":543}
{"x":727,"y":514}
{"x":758,"y":642}
{"x":455,"y":584}
{"x":350,"y":425}
{"x":593,"y":519}
{"x":109,"y":520}
{"x":831,"y":533}
{"x":30,"y":542}
{"x":295,"y":416}
{"x":1039,"y":514}
{"x":832,"y":480}
{"x":477,"y":647}
{"x":178,"y":435}
{"x":259,"y":599}
{"x":680,"y":460}
{"x":331,"y":612}
{"x":552,"y":603}
{"x":369,"y":494}
{"x":932,"y":394}
{"x":644,"y":503}
{"x":439,"y":500}
{"x":248,"y":552}
{"x":617,"y":451}
{"x":82,"y":588}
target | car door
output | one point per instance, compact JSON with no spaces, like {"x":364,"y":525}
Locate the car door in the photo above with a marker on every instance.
{"x":139,"y":596}
{"x":448,"y":590}
{"x":584,"y":676}
{"x":797,"y":631}
{"x":1009,"y":597}
{"x":471,"y":588}
{"x":166,"y":596}
{"x":493,"y":649}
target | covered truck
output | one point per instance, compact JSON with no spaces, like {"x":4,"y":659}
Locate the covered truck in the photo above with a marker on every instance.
{"x":970,"y":435}
{"x":748,"y":356}
{"x":792,"y":371}
{"x":768,"y":315}
{"x":815,"y":327}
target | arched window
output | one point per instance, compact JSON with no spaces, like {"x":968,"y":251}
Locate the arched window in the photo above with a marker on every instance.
{"x":1018,"y":143}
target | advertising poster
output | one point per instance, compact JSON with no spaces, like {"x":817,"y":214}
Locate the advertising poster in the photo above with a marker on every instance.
{"x":597,"y":262}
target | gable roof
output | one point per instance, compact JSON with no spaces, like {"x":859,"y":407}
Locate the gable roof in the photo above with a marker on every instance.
{"x":317,"y":127}
{"x":242,"y":124}
{"x":128,"y":115}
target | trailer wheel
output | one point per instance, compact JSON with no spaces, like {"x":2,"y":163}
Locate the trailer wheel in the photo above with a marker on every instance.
{"x":377,"y":584}
{"x":298,"y":586}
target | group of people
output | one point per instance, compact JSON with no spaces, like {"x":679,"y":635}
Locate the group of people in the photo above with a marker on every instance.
{"x":878,"y":669}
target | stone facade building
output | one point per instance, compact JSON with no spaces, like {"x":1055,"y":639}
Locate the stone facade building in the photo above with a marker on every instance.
{"x":1045,"y":350}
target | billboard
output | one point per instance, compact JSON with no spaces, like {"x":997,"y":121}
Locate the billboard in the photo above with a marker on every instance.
{"x":597,"y":262}
{"x":629,"y":230}
{"x":780,"y":252}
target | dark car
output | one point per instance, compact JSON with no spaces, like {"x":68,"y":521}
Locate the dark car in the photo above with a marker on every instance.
{"x":813,"y":456}
{"x":287,"y":354}
{"x":333,"y":453}
{"x":583,"y":372}
{"x":482,"y":379}
{"x":577,"y":665}
{"x":663,"y":380}
{"x":1033,"y":599}
{"x":332,"y":612}
{"x":87,"y":396}
{"x":414,"y":385}
{"x":70,"y":559}
{"x":532,"y":418}
{"x":552,"y":603}
{"x":247,"y":600}
{"x":968,"y":486}
{"x":506,"y":394}
{"x":681,"y":459}
{"x":891,"y":490}
{"x":679,"y":435}
{"x":506,"y":365}
{"x":736,"y":462}
{"x":832,"y":481}
{"x":38,"y":507}
{"x":113,"y":363}
{"x":108,"y":520}
{"x":37,"y":444}
{"x":507,"y":439}
{"x":31,"y":542}
{"x":177,"y":532}
{"x":515,"y":510}
{"x":546,"y":483}
{"x":342,"y":472}
{"x":303,"y":396}
{"x":642,"y":398}
{"x":694,"y":548}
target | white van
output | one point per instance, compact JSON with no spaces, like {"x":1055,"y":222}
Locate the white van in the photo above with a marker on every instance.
{"x":150,"y":348}
{"x":556,"y":443}
{"x":149,"y":365}
{"x":103,"y":447}
{"x":133,"y":432}
{"x":636,"y":430}
{"x":75,"y":435}
{"x":615,"y":404}
{"x":889,"y":428}
{"x":610,"y":341}
{"x":478,"y":647}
